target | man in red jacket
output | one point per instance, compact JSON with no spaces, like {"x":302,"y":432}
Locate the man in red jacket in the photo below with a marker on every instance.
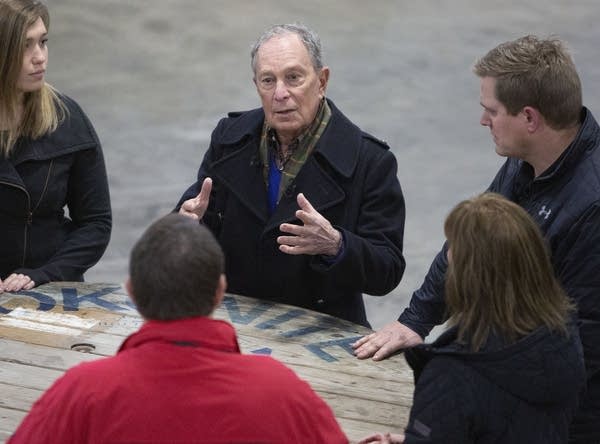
{"x":181,"y":377}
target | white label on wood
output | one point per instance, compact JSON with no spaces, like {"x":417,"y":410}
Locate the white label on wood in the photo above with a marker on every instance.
{"x":52,"y":318}
{"x":36,"y":326}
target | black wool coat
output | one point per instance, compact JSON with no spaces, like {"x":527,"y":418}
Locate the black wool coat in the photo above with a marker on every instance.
{"x":350,"y":178}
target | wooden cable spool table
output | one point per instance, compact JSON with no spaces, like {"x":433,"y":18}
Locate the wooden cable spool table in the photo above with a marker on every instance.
{"x":51,"y":328}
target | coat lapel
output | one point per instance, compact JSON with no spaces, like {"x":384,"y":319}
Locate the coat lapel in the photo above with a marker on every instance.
{"x":241,"y":173}
{"x":318,"y":187}
{"x":8,"y":174}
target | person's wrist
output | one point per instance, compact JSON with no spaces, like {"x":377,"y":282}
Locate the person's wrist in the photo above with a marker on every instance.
{"x":337,"y":245}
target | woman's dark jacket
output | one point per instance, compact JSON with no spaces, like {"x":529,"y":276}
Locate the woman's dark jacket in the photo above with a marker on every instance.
{"x":350,"y":178}
{"x":565,"y":202}
{"x":525,"y":392}
{"x":41,"y":178}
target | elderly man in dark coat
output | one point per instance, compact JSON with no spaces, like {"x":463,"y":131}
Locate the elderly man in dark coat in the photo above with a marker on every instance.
{"x":307,"y":207}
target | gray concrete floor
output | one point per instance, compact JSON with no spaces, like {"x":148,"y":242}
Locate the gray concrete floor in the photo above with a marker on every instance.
{"x":156,"y":76}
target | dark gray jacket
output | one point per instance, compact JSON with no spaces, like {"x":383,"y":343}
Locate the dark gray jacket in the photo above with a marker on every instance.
{"x":525,"y":392}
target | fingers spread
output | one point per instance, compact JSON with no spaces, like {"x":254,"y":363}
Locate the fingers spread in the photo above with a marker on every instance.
{"x":303,"y":203}
{"x":292,"y":241}
{"x":291,"y":229}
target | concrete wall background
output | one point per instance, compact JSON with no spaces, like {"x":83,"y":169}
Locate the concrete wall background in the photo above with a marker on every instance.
{"x":156,"y":76}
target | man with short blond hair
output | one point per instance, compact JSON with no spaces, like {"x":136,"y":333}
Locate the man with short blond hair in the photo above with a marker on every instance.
{"x":532,"y":104}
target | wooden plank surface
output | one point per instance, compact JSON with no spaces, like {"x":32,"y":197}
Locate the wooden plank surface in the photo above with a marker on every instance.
{"x":49,"y":329}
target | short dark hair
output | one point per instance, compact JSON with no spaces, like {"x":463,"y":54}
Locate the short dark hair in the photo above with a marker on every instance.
{"x":175,"y":268}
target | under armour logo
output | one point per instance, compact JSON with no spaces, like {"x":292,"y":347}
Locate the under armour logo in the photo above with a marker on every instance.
{"x":545,"y":212}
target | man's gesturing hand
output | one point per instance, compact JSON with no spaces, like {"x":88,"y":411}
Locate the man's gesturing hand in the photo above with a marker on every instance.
{"x":315,"y":236}
{"x":196,"y":207}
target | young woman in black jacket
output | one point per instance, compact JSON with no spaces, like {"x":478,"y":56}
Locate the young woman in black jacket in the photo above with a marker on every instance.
{"x":50,"y":160}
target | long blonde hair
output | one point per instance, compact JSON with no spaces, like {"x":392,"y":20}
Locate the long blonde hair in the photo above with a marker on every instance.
{"x":43,"y":110}
{"x":500,"y":278}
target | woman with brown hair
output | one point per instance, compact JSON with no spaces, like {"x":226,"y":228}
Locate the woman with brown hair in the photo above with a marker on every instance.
{"x":50,"y":158}
{"x":510,"y":367}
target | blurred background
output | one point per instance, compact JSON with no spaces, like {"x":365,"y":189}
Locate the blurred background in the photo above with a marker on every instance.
{"x":155,"y":76}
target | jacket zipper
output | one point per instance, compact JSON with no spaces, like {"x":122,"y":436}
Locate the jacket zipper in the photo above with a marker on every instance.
{"x":43,"y":191}
{"x":31,"y":211}
{"x":28,"y":219}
